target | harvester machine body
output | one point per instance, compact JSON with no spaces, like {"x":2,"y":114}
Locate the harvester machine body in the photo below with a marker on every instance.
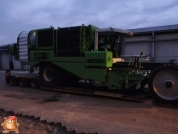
{"x":81,"y":52}
{"x":92,"y":54}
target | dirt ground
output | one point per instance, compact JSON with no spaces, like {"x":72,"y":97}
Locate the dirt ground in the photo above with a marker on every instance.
{"x":85,"y":114}
{"x":30,"y":125}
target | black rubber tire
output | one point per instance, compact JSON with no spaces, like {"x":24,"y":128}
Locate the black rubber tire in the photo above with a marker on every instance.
{"x":164,"y":93}
{"x":7,"y":76}
{"x":12,"y":81}
{"x":7,"y":79}
{"x":50,"y":76}
{"x":23,"y":82}
{"x":34,"y":83}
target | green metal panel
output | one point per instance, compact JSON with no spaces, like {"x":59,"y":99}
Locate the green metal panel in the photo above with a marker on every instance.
{"x":97,"y":74}
{"x":98,"y":59}
{"x":76,"y":65}
{"x":77,"y":69}
{"x":84,"y":73}
{"x":69,"y":59}
{"x":123,"y":78}
{"x":117,"y":77}
{"x":80,"y":66}
{"x":74,"y":41}
{"x":41,"y":55}
{"x":46,"y":35}
{"x":34,"y":63}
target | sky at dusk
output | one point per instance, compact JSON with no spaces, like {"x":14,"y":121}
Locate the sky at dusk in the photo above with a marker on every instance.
{"x":26,"y":15}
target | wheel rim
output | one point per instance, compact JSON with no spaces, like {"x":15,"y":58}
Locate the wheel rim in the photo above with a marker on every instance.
{"x":21,"y":82}
{"x":48,"y":74}
{"x":165,"y":84}
{"x":11,"y":81}
{"x":33,"y":84}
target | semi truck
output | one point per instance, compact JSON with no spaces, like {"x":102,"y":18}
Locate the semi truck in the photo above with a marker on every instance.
{"x":70,"y":54}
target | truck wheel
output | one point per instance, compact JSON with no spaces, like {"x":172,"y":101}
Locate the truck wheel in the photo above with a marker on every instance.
{"x":23,"y":82}
{"x":50,"y":76}
{"x":12,"y":81}
{"x":34,"y":83}
{"x":163,"y":83}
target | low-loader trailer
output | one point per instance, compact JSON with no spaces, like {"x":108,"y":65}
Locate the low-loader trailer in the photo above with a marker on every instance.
{"x":88,"y":53}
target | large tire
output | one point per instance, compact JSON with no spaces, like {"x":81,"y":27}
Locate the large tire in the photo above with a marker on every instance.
{"x":34,"y":83}
{"x":7,"y":79}
{"x":50,"y":76}
{"x":12,"y":81}
{"x":23,"y":82}
{"x":163,"y":83}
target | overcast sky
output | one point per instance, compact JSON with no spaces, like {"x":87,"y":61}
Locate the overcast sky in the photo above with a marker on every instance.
{"x":26,"y":15}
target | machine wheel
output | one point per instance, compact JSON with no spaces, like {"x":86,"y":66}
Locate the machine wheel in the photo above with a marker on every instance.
{"x":50,"y":76}
{"x":23,"y":82}
{"x":12,"y":81}
{"x":163,"y":83}
{"x":34,"y":83}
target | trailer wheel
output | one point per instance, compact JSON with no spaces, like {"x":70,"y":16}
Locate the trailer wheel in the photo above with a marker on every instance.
{"x":7,"y":76}
{"x":12,"y":81}
{"x":7,"y":79}
{"x":50,"y":76}
{"x":23,"y":82}
{"x":163,"y":83}
{"x":34,"y":83}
